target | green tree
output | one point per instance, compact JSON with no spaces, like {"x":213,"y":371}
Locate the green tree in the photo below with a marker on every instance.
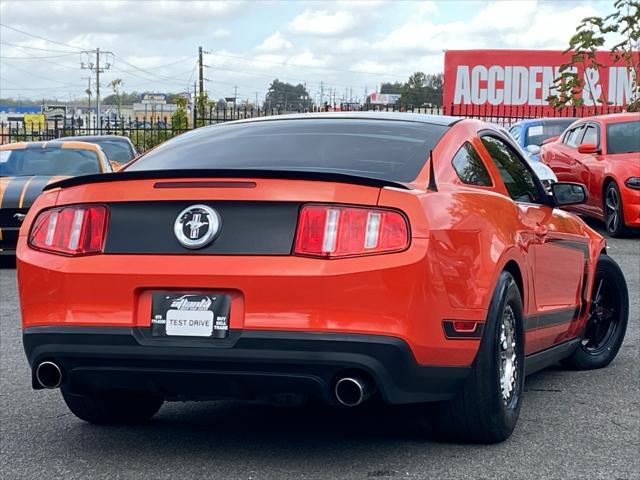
{"x":202,"y":102}
{"x":116,"y":84}
{"x":283,"y":95}
{"x":391,"y":88}
{"x":125,"y":98}
{"x":623,"y":26}
{"x":422,"y":89}
{"x":179,"y":118}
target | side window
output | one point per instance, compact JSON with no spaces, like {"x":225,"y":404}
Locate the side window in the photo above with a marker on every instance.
{"x":515,"y":133}
{"x":516,"y":176}
{"x":574,"y":136}
{"x":590,"y":135}
{"x":469,"y":167}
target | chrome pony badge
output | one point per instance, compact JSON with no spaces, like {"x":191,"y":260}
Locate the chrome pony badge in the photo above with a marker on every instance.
{"x":197,"y":226}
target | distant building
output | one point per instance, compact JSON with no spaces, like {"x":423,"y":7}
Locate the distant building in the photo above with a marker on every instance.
{"x":153,"y":106}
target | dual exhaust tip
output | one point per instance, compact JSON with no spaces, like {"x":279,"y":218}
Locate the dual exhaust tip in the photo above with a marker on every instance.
{"x":49,"y":375}
{"x":349,"y":391}
{"x":352,"y":391}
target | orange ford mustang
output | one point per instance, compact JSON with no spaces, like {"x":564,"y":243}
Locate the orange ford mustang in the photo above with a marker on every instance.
{"x":339,"y":257}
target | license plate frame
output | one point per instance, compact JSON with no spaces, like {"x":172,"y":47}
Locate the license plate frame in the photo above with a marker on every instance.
{"x":190,"y":315}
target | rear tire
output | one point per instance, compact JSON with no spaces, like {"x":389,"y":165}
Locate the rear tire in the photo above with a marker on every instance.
{"x":487,"y":408}
{"x":608,"y":318}
{"x":113,"y":407}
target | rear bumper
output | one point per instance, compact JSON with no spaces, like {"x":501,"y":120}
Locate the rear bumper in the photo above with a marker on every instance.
{"x":248,"y":365}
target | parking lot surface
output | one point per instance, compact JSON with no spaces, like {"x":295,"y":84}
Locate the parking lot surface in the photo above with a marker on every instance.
{"x":572,"y":425}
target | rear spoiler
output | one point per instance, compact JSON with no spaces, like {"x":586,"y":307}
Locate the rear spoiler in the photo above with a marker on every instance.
{"x":123,"y":176}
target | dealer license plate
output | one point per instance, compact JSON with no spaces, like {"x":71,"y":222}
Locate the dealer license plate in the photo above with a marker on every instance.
{"x":190,"y":315}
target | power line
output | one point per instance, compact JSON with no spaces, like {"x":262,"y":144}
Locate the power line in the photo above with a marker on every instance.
{"x":15,"y":45}
{"x":139,"y":69}
{"x":44,"y":78}
{"x":31,"y":57}
{"x":40,"y":38}
{"x":155,"y":66}
{"x":46,"y":60}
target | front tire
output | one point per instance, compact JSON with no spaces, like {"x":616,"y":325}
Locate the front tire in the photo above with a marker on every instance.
{"x":487,"y":408}
{"x":113,"y":407}
{"x":607,"y":321}
{"x":613,"y":213}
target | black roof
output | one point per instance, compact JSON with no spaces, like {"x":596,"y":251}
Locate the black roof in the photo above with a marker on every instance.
{"x":443,"y":120}
{"x":96,"y":138}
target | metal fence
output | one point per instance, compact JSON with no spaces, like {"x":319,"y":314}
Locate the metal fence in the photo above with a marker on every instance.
{"x":507,"y":115}
{"x":146,"y":133}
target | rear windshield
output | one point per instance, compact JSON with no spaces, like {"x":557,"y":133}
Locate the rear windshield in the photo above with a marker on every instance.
{"x":623,"y":137}
{"x":537,"y":134}
{"x":116,"y":150}
{"x":48,"y":161}
{"x":388,"y":150}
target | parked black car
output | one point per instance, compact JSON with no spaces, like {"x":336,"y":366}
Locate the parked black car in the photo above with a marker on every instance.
{"x":117,"y":148}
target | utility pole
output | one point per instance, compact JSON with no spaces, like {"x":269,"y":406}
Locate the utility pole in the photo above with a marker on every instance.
{"x":194,"y":115}
{"x":88,"y":92}
{"x":95,"y":67}
{"x":321,"y":94}
{"x":201,"y":72}
{"x":235,"y":95}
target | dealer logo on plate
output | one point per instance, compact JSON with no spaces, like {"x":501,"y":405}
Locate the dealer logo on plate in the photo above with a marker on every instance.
{"x":197,"y":226}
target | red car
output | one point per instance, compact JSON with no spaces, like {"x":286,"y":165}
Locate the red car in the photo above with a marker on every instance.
{"x":333,"y":256}
{"x":603,"y":153}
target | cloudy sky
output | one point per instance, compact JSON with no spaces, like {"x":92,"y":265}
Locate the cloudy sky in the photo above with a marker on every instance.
{"x":347,"y":45}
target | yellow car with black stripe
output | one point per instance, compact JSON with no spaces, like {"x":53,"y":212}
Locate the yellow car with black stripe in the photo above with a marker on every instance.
{"x":27,"y":167}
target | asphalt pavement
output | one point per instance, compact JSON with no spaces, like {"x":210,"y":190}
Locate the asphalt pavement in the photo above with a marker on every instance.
{"x":572,"y":425}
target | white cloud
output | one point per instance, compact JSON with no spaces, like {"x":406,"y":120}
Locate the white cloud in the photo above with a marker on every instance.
{"x":274,"y":43}
{"x":344,"y":44}
{"x":323,"y":23}
{"x":529,"y":25}
{"x":221,"y":33}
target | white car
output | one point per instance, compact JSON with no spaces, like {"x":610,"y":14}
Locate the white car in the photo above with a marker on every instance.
{"x":544,"y":173}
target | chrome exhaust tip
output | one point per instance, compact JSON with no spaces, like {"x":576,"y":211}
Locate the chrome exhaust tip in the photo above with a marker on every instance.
{"x":351,"y":391}
{"x":49,"y":375}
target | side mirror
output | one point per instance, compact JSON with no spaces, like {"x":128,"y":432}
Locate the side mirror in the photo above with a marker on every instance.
{"x":550,"y":139}
{"x":566,"y":193}
{"x":588,"y":148}
{"x":115,"y":165}
{"x":533,"y":149}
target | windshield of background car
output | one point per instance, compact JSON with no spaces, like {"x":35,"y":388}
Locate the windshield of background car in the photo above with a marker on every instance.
{"x":539,"y":133}
{"x":384,"y":149}
{"x":623,"y":137}
{"x":116,"y":150}
{"x":48,"y":161}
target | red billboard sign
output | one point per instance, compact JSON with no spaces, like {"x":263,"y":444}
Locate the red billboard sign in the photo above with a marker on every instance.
{"x":515,"y":78}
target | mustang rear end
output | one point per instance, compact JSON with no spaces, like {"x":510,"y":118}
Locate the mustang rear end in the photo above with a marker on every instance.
{"x":207,"y":289}
{"x":271,"y":285}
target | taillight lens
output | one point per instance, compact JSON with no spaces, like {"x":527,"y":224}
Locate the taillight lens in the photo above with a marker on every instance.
{"x":73,"y":230}
{"x":334,"y":231}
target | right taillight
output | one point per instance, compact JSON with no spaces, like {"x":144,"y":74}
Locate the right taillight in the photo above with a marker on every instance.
{"x":331,"y":231}
{"x":73,"y":230}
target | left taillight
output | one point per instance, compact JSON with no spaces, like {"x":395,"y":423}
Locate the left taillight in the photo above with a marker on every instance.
{"x":72,"y":230}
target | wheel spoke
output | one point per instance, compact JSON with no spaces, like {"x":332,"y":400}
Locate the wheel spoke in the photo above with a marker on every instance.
{"x":608,"y":314}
